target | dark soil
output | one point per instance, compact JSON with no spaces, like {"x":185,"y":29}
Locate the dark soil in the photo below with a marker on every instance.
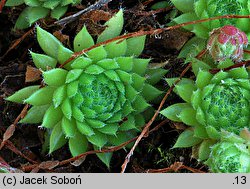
{"x":153,"y":152}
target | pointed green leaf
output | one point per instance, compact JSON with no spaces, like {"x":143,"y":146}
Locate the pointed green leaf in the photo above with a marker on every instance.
{"x":81,"y":63}
{"x":77,"y":114}
{"x":198,"y":65}
{"x":150,"y":93}
{"x":83,"y":40}
{"x":111,"y":74}
{"x":172,"y":112}
{"x":140,"y":104}
{"x":186,"y":139}
{"x":108,"y":64}
{"x":51,"y":4}
{"x":95,"y":123}
{"x":97,"y":54}
{"x":32,"y":3}
{"x":116,"y":48}
{"x":187,"y":116}
{"x":138,"y":82}
{"x":203,"y":79}
{"x":200,"y":116}
{"x":114,"y":27}
{"x":94,"y":69}
{"x":78,"y":144}
{"x":35,"y":114}
{"x":55,"y":77}
{"x":29,"y":16}
{"x":160,"y":5}
{"x":192,"y":48}
{"x":10,"y":3}
{"x":125,"y":77}
{"x":67,"y":108}
{"x":73,"y":75}
{"x":121,"y":137}
{"x":42,"y":61}
{"x":41,"y":96}
{"x":212,"y":133}
{"x":200,"y":132}
{"x":186,"y":17}
{"x":88,"y":113}
{"x":63,"y":54}
{"x":59,"y":95}
{"x":131,"y":93}
{"x":104,"y":157}
{"x":221,"y":75}
{"x":52,"y":117}
{"x":84,"y":128}
{"x":239,"y":73}
{"x":135,"y":45}
{"x":128,"y":124}
{"x":201,"y":31}
{"x":125,"y":63}
{"x":58,"y":12}
{"x":205,"y":149}
{"x":109,"y":129}
{"x":140,"y":66}
{"x":184,"y":6}
{"x":57,"y":138}
{"x":72,"y":88}
{"x":185,"y":89}
{"x":155,"y":75}
{"x":49,"y":43}
{"x":139,"y":120}
{"x":23,"y":94}
{"x":69,"y":127}
{"x":98,"y":139}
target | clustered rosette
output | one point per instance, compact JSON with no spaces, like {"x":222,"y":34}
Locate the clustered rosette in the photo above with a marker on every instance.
{"x":38,"y":9}
{"x":231,"y":155}
{"x":98,"y":98}
{"x":203,"y":9}
{"x":227,"y":42}
{"x":213,"y":104}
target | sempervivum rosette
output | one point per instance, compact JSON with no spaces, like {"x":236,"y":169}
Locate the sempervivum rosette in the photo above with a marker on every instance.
{"x":231,"y":155}
{"x":38,"y":9}
{"x":203,"y":9}
{"x":213,"y":103}
{"x":98,"y":98}
{"x":227,"y":42}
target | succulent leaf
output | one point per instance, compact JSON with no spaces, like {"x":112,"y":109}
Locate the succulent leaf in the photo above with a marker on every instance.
{"x":186,"y":139}
{"x":135,"y":45}
{"x":96,"y":100}
{"x":57,"y":138}
{"x":42,"y":61}
{"x":23,"y":94}
{"x":114,"y":27}
{"x":83,"y":40}
{"x":229,"y":157}
{"x":37,"y":9}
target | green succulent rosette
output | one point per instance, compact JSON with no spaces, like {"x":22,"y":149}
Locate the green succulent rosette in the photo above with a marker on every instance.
{"x":213,"y":103}
{"x":98,"y":98}
{"x":230,"y":155}
{"x":37,"y":9}
{"x":203,"y":9}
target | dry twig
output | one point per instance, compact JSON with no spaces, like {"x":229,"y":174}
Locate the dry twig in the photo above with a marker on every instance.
{"x":73,"y":17}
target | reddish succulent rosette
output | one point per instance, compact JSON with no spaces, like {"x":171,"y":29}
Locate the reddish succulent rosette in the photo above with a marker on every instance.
{"x":227,"y":42}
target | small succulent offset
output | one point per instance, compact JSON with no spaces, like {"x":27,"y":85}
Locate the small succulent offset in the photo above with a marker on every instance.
{"x":98,"y":98}
{"x":213,"y":104}
{"x":227,"y":42}
{"x":38,"y":9}
{"x":231,"y":155}
{"x":203,"y":9}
